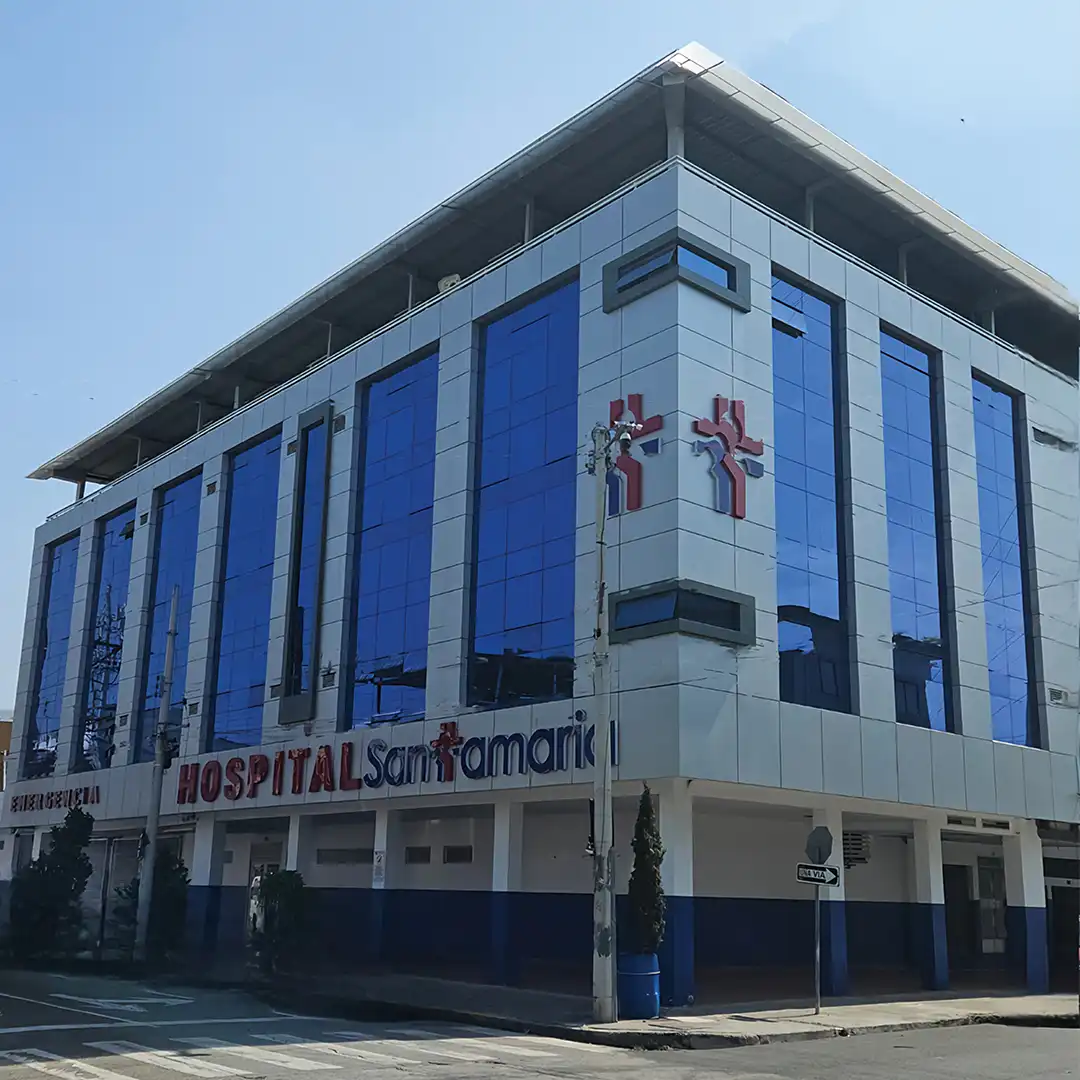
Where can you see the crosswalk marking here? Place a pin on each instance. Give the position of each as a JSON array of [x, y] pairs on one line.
[[257, 1053], [419, 1035], [425, 1048], [55, 1065], [491, 1033], [493, 1040], [166, 1059], [343, 1049]]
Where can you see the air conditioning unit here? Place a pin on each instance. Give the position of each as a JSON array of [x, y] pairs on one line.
[[448, 282], [1056, 696]]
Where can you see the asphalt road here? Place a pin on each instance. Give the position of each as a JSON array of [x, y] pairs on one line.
[[87, 1028]]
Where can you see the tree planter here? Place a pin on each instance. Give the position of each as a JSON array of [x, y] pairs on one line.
[[639, 970], [639, 986]]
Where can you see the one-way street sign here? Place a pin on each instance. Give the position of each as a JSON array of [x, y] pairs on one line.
[[817, 875]]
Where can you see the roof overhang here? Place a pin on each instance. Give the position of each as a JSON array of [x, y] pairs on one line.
[[570, 168]]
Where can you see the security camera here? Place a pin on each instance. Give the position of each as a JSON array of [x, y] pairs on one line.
[[625, 439]]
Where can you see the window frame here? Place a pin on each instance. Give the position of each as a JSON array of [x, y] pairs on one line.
[[746, 634], [41, 645], [736, 295], [79, 763], [298, 705], [791, 322], [1037, 705]]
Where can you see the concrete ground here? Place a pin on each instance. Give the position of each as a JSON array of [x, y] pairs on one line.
[[93, 1028], [698, 1027]]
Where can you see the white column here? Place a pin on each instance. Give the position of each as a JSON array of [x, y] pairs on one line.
[[833, 820], [929, 876], [1025, 885], [136, 627], [298, 847], [451, 530], [82, 621], [677, 832], [208, 851], [386, 847], [205, 596], [506, 854], [7, 854], [39, 837]]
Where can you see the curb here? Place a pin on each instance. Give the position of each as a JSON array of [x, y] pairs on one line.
[[374, 1009]]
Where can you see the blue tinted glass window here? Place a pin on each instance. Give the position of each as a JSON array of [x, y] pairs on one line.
[[707, 268], [631, 275], [394, 557], [911, 503], [812, 629], [1005, 600], [523, 616], [309, 543], [175, 545], [244, 628], [643, 610], [51, 659], [93, 746]]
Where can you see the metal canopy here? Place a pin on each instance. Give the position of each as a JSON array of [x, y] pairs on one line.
[[735, 129]]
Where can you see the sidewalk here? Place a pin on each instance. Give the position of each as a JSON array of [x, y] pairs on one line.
[[566, 1016]]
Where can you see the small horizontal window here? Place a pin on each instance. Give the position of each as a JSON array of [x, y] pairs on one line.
[[642, 610], [343, 856], [708, 268], [417, 856], [677, 256], [683, 607], [457, 853]]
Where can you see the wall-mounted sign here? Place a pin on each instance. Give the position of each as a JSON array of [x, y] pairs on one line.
[[375, 763], [728, 445], [631, 479], [56, 800]]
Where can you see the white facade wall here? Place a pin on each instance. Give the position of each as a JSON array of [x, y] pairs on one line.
[[686, 707]]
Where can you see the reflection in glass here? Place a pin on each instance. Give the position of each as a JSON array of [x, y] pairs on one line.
[[1005, 600], [51, 660], [97, 724], [394, 550], [911, 507], [674, 255], [175, 545], [523, 616], [812, 631], [312, 500], [244, 628]]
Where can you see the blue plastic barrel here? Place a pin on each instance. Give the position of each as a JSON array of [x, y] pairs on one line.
[[639, 987]]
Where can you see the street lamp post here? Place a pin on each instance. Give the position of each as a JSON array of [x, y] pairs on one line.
[[599, 464]]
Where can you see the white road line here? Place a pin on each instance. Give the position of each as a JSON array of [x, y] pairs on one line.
[[63, 1008], [494, 1040], [569, 1043], [425, 1038], [200, 1021], [303, 1043], [256, 1053], [423, 1046], [166, 1059], [61, 1067]]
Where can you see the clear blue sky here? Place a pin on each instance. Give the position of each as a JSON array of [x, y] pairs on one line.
[[173, 172]]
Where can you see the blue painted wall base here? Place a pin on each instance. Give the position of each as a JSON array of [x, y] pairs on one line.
[[929, 944], [1026, 946], [834, 950], [677, 952]]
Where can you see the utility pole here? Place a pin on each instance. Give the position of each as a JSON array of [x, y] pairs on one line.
[[153, 813], [599, 464]]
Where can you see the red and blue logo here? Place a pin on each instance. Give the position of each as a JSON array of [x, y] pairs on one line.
[[625, 482], [728, 445]]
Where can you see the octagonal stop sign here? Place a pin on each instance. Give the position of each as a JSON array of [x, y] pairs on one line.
[[819, 845]]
